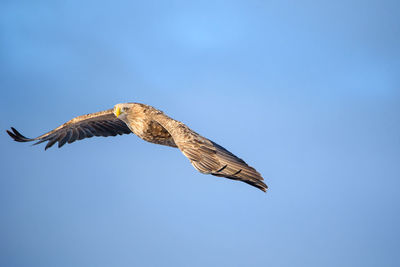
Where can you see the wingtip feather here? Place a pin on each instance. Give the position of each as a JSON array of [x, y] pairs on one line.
[[17, 136], [10, 134], [260, 185]]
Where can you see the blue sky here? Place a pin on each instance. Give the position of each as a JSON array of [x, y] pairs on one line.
[[306, 92]]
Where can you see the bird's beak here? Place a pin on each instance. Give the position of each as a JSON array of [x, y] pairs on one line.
[[117, 112]]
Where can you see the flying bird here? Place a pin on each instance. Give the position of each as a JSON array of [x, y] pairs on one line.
[[152, 125]]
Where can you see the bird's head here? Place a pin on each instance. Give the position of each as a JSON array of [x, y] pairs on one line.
[[121, 110]]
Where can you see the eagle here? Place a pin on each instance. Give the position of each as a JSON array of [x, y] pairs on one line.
[[152, 125]]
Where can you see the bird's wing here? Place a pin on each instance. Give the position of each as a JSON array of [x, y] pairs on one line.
[[103, 123], [208, 157]]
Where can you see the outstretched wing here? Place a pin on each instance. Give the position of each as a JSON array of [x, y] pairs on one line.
[[103, 123], [208, 157], [211, 158]]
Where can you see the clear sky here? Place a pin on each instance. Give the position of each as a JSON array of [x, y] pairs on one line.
[[307, 92]]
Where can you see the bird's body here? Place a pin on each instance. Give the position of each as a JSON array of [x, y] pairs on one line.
[[141, 122], [152, 125]]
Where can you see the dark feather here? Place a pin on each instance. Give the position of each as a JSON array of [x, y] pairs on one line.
[[64, 139]]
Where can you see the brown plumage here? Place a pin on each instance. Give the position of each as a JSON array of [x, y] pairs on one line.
[[153, 126]]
